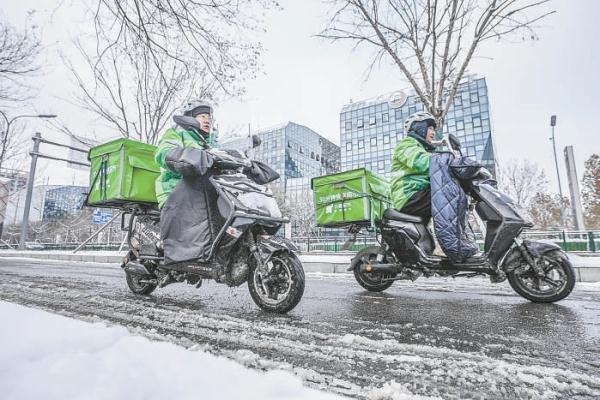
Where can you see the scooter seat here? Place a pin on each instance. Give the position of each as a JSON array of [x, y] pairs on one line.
[[392, 214]]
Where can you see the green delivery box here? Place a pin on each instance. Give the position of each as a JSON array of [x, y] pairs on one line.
[[122, 171], [358, 196]]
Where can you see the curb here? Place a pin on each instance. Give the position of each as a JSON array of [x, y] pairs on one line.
[[310, 262]]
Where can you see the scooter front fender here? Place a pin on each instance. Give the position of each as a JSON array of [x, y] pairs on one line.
[[537, 249], [273, 244]]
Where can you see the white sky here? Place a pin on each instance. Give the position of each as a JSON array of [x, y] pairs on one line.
[[307, 80]]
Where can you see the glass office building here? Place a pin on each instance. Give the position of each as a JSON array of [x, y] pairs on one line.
[[63, 201], [370, 129], [296, 152]]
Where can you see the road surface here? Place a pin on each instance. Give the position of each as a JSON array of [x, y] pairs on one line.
[[435, 338]]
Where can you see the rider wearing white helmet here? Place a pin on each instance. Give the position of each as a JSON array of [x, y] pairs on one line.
[[410, 189], [179, 149]]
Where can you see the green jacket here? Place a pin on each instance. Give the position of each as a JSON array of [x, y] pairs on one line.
[[168, 179], [410, 171]]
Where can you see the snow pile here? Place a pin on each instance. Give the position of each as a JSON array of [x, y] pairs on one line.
[[395, 391], [46, 356]]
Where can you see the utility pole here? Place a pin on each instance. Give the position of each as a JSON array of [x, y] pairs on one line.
[[574, 189], [25, 223], [553, 124]]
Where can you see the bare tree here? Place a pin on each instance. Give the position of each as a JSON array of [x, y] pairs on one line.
[[431, 42], [302, 213], [133, 94], [18, 53], [547, 210], [299, 207], [522, 180], [151, 55], [11, 139], [214, 33]]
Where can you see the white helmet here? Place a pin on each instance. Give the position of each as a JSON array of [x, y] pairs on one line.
[[195, 107], [417, 117]]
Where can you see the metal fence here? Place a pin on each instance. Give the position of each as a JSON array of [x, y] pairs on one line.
[[70, 231], [584, 241]]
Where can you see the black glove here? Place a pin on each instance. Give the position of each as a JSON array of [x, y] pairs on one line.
[[189, 161], [261, 173]]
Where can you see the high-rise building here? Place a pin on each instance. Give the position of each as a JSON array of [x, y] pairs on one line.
[[370, 129], [296, 152], [48, 202], [63, 201]]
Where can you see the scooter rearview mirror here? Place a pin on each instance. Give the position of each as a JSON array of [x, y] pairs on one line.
[[454, 141], [256, 141]]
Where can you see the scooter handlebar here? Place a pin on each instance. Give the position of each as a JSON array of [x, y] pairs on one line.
[[226, 160]]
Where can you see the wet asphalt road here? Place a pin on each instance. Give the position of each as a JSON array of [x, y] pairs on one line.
[[436, 338]]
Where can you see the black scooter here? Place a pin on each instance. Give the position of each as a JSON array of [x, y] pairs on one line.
[[245, 248], [538, 271]]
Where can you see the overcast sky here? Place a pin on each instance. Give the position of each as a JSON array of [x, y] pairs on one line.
[[307, 80]]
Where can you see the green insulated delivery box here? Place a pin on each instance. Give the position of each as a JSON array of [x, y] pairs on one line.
[[122, 171], [358, 196]]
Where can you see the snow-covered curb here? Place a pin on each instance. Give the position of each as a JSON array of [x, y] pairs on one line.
[[46, 356]]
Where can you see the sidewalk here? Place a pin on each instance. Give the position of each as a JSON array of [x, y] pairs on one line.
[[587, 267]]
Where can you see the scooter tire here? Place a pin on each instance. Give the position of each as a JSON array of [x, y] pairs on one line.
[[136, 287], [294, 294], [558, 257], [368, 280]]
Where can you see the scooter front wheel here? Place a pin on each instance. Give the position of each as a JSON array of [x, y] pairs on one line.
[[280, 288], [556, 283]]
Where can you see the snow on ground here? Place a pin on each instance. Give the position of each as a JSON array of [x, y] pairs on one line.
[[64, 252], [46, 356], [584, 261]]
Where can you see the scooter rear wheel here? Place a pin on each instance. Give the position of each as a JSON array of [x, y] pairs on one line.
[[136, 286], [556, 284], [281, 289], [372, 281]]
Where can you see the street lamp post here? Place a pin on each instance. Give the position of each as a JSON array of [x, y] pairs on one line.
[[564, 215], [553, 124], [25, 222]]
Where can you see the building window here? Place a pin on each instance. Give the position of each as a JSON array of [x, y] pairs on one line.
[[476, 121], [460, 125], [361, 144], [412, 110], [317, 157], [386, 139], [398, 114], [385, 117], [348, 125], [474, 98], [360, 123], [301, 149], [372, 120], [373, 141], [312, 155], [349, 146]]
